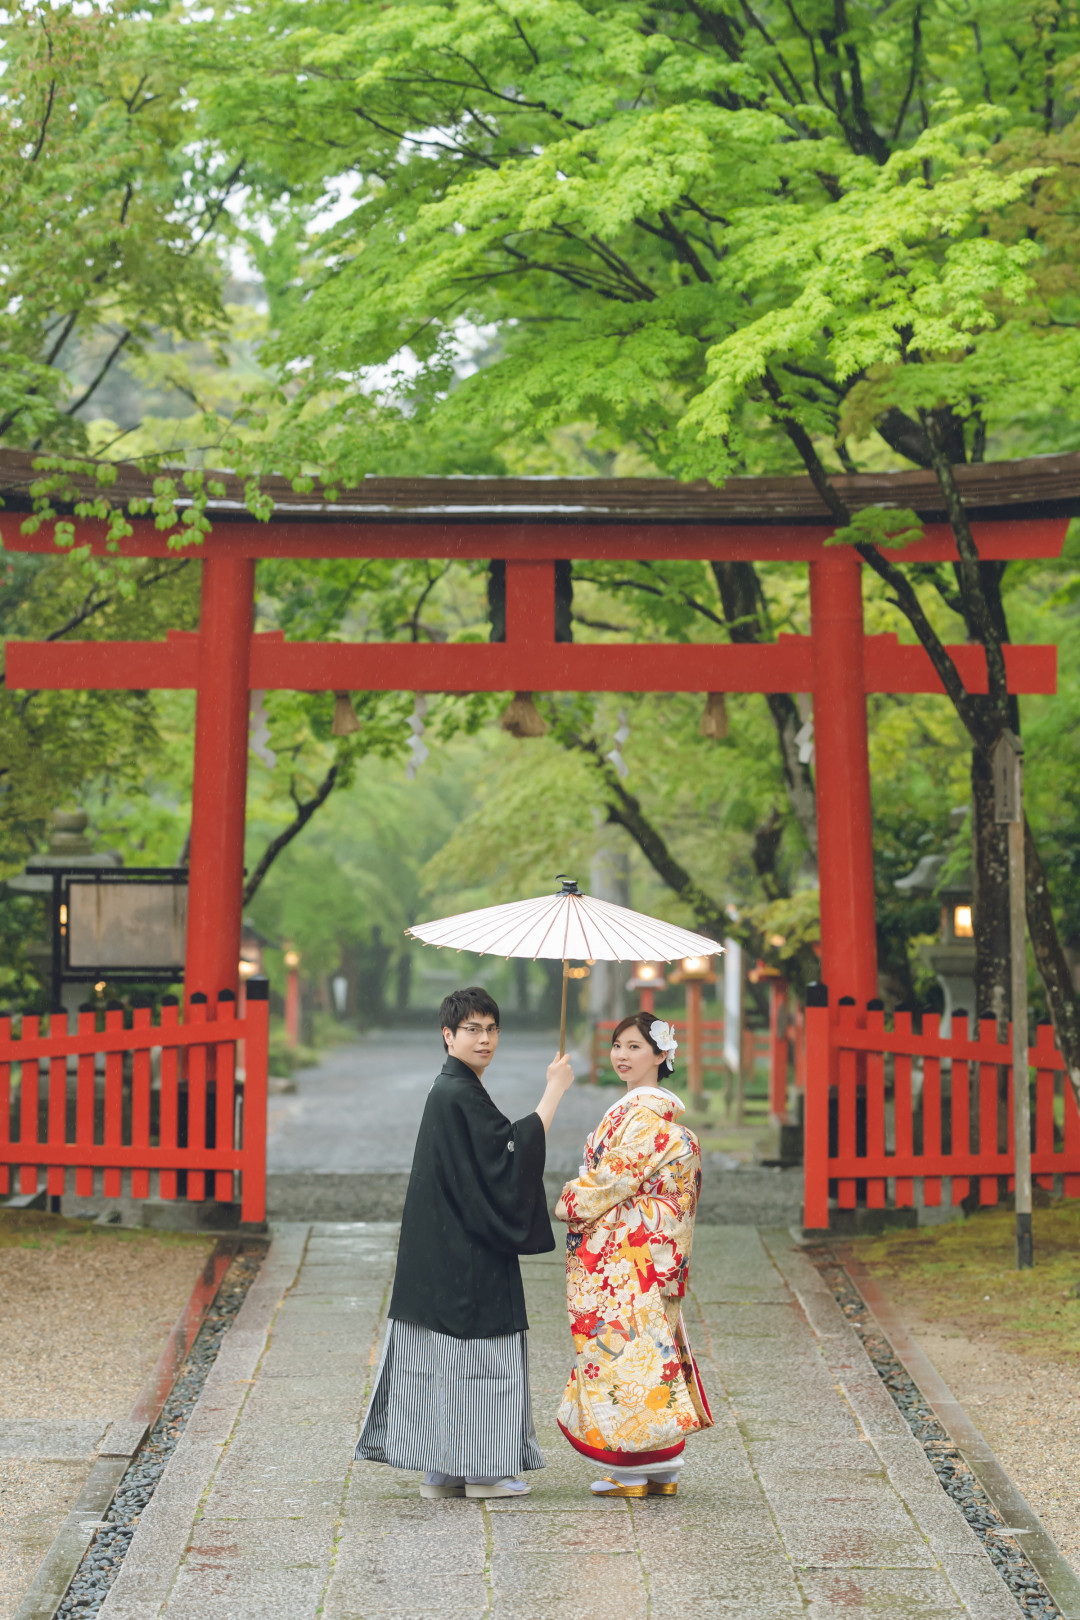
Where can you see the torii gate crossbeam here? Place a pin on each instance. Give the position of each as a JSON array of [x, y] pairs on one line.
[[837, 663]]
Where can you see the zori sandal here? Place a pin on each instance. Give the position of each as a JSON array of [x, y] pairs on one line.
[[612, 1487], [658, 1489]]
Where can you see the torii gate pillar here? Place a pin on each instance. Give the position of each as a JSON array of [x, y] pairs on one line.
[[219, 791], [842, 776], [845, 841], [837, 662]]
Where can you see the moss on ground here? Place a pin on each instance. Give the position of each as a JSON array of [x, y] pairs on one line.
[[965, 1275], [34, 1229]]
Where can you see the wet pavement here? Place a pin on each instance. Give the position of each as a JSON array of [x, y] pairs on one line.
[[360, 1108], [809, 1497], [340, 1146]]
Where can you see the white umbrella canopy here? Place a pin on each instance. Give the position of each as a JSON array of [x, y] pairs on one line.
[[568, 926]]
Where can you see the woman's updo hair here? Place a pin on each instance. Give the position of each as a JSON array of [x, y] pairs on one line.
[[643, 1022]]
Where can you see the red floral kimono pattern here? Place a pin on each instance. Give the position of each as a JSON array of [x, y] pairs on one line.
[[634, 1393]]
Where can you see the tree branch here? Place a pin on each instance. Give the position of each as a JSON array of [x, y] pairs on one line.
[[92, 387], [1050, 960], [305, 809], [977, 607], [45, 117], [625, 811]]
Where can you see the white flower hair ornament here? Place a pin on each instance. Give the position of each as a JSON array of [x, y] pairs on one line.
[[663, 1036]]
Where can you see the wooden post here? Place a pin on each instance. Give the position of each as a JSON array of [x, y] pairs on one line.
[[842, 774], [1009, 808], [816, 1125], [694, 1068], [219, 790], [745, 1073], [256, 1063], [292, 1006], [778, 1052]]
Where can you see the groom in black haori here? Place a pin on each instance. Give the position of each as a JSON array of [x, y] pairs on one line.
[[452, 1393]]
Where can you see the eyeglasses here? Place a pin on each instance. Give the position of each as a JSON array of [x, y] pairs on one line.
[[479, 1029]]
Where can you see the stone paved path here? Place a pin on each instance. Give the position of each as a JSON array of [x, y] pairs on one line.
[[809, 1497], [338, 1119]]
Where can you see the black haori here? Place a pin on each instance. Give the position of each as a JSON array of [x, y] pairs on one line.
[[475, 1202]]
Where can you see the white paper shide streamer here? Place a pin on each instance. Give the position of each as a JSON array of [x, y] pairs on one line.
[[260, 731], [418, 750], [622, 737]]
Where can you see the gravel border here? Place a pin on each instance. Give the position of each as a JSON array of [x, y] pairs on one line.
[[101, 1562], [954, 1474]]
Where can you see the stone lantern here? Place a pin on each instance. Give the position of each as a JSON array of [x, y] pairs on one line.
[[694, 972], [952, 958]]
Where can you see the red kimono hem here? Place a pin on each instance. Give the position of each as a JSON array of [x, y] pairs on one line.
[[623, 1459]]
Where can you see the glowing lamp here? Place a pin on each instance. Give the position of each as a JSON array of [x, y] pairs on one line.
[[694, 970], [963, 928], [647, 976]]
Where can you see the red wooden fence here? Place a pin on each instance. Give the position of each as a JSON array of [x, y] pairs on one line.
[[196, 1117], [885, 1108]]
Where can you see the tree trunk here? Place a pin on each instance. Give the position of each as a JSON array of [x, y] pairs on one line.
[[979, 587], [711, 916], [990, 863], [799, 777], [404, 981], [743, 602], [1051, 962], [305, 809]]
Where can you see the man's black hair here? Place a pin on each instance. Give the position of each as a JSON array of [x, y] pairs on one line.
[[462, 1004]]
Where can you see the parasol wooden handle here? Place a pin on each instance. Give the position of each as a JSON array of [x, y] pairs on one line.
[[562, 1019]]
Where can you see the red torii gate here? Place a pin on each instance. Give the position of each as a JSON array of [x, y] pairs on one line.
[[531, 524]]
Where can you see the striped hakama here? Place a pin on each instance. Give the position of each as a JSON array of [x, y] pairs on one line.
[[451, 1406]]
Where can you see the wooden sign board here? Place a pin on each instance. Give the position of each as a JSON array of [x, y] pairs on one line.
[[126, 928], [1008, 777]]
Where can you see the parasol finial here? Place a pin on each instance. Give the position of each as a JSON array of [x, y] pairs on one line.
[[569, 885]]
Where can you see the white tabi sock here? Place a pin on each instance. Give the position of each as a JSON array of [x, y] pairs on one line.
[[602, 1486]]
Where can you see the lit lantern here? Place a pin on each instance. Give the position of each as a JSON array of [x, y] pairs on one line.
[[647, 978], [963, 927], [952, 957], [694, 971], [291, 957]]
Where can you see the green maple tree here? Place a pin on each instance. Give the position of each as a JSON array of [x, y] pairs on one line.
[[741, 237]]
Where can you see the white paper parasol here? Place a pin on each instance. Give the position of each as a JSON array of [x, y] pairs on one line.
[[568, 926]]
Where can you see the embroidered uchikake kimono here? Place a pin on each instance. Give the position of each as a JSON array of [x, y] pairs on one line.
[[634, 1393]]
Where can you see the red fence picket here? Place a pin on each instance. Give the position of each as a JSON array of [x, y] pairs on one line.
[[97, 1114], [887, 1108]]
